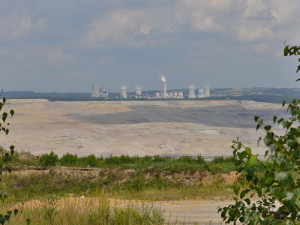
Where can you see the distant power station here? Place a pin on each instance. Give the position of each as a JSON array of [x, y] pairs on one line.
[[204, 92], [165, 94], [100, 92], [192, 92], [123, 94]]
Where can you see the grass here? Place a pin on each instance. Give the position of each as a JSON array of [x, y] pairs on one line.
[[86, 211], [183, 163], [40, 185], [158, 178]]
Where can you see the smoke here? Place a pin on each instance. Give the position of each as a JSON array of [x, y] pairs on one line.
[[192, 86], [124, 87], [163, 79]]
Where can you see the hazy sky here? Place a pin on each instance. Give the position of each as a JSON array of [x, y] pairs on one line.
[[68, 45]]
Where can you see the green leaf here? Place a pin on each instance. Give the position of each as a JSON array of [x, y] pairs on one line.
[[252, 161], [12, 149], [283, 104], [286, 50], [259, 123], [248, 151], [12, 112], [243, 193], [28, 221], [4, 116]]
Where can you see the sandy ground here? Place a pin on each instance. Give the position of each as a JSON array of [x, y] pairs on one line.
[[135, 127]]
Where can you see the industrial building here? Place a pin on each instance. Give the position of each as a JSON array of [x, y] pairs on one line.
[[192, 92], [138, 92], [99, 92], [165, 94], [123, 94], [207, 91], [201, 93]]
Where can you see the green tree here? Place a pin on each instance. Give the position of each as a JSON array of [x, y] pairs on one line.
[[274, 182], [5, 157]]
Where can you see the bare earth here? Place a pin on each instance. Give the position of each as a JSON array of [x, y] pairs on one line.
[[135, 127]]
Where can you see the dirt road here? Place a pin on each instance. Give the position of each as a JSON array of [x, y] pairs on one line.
[[193, 211]]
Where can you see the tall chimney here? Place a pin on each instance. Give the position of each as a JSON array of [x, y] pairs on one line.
[[165, 89]]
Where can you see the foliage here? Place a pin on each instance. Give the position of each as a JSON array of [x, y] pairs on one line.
[[86, 211], [274, 180], [5, 157], [49, 160], [182, 163], [291, 51]]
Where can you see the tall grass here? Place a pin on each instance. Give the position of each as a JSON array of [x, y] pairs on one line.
[[183, 163], [87, 211]]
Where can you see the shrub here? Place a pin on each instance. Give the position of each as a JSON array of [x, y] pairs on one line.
[[49, 160], [276, 180], [69, 160]]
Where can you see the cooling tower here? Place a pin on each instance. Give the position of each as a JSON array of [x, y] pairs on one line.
[[201, 93], [95, 91], [192, 92], [138, 92], [123, 92], [207, 91]]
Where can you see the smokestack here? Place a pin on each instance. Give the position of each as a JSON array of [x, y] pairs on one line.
[[164, 80], [192, 91], [123, 92]]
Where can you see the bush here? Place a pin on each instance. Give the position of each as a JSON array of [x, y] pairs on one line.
[[276, 180], [69, 160], [49, 160]]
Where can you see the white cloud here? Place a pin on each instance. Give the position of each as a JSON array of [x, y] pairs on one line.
[[13, 26], [254, 8], [118, 26], [205, 15], [58, 57], [249, 31]]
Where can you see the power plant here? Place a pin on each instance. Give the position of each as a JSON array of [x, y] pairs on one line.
[[138, 92], [192, 92], [123, 93], [201, 93], [100, 92], [207, 91], [164, 80]]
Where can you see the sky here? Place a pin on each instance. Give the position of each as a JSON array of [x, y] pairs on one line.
[[68, 45]]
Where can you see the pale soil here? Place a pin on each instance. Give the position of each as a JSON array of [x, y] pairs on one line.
[[121, 176], [105, 128]]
